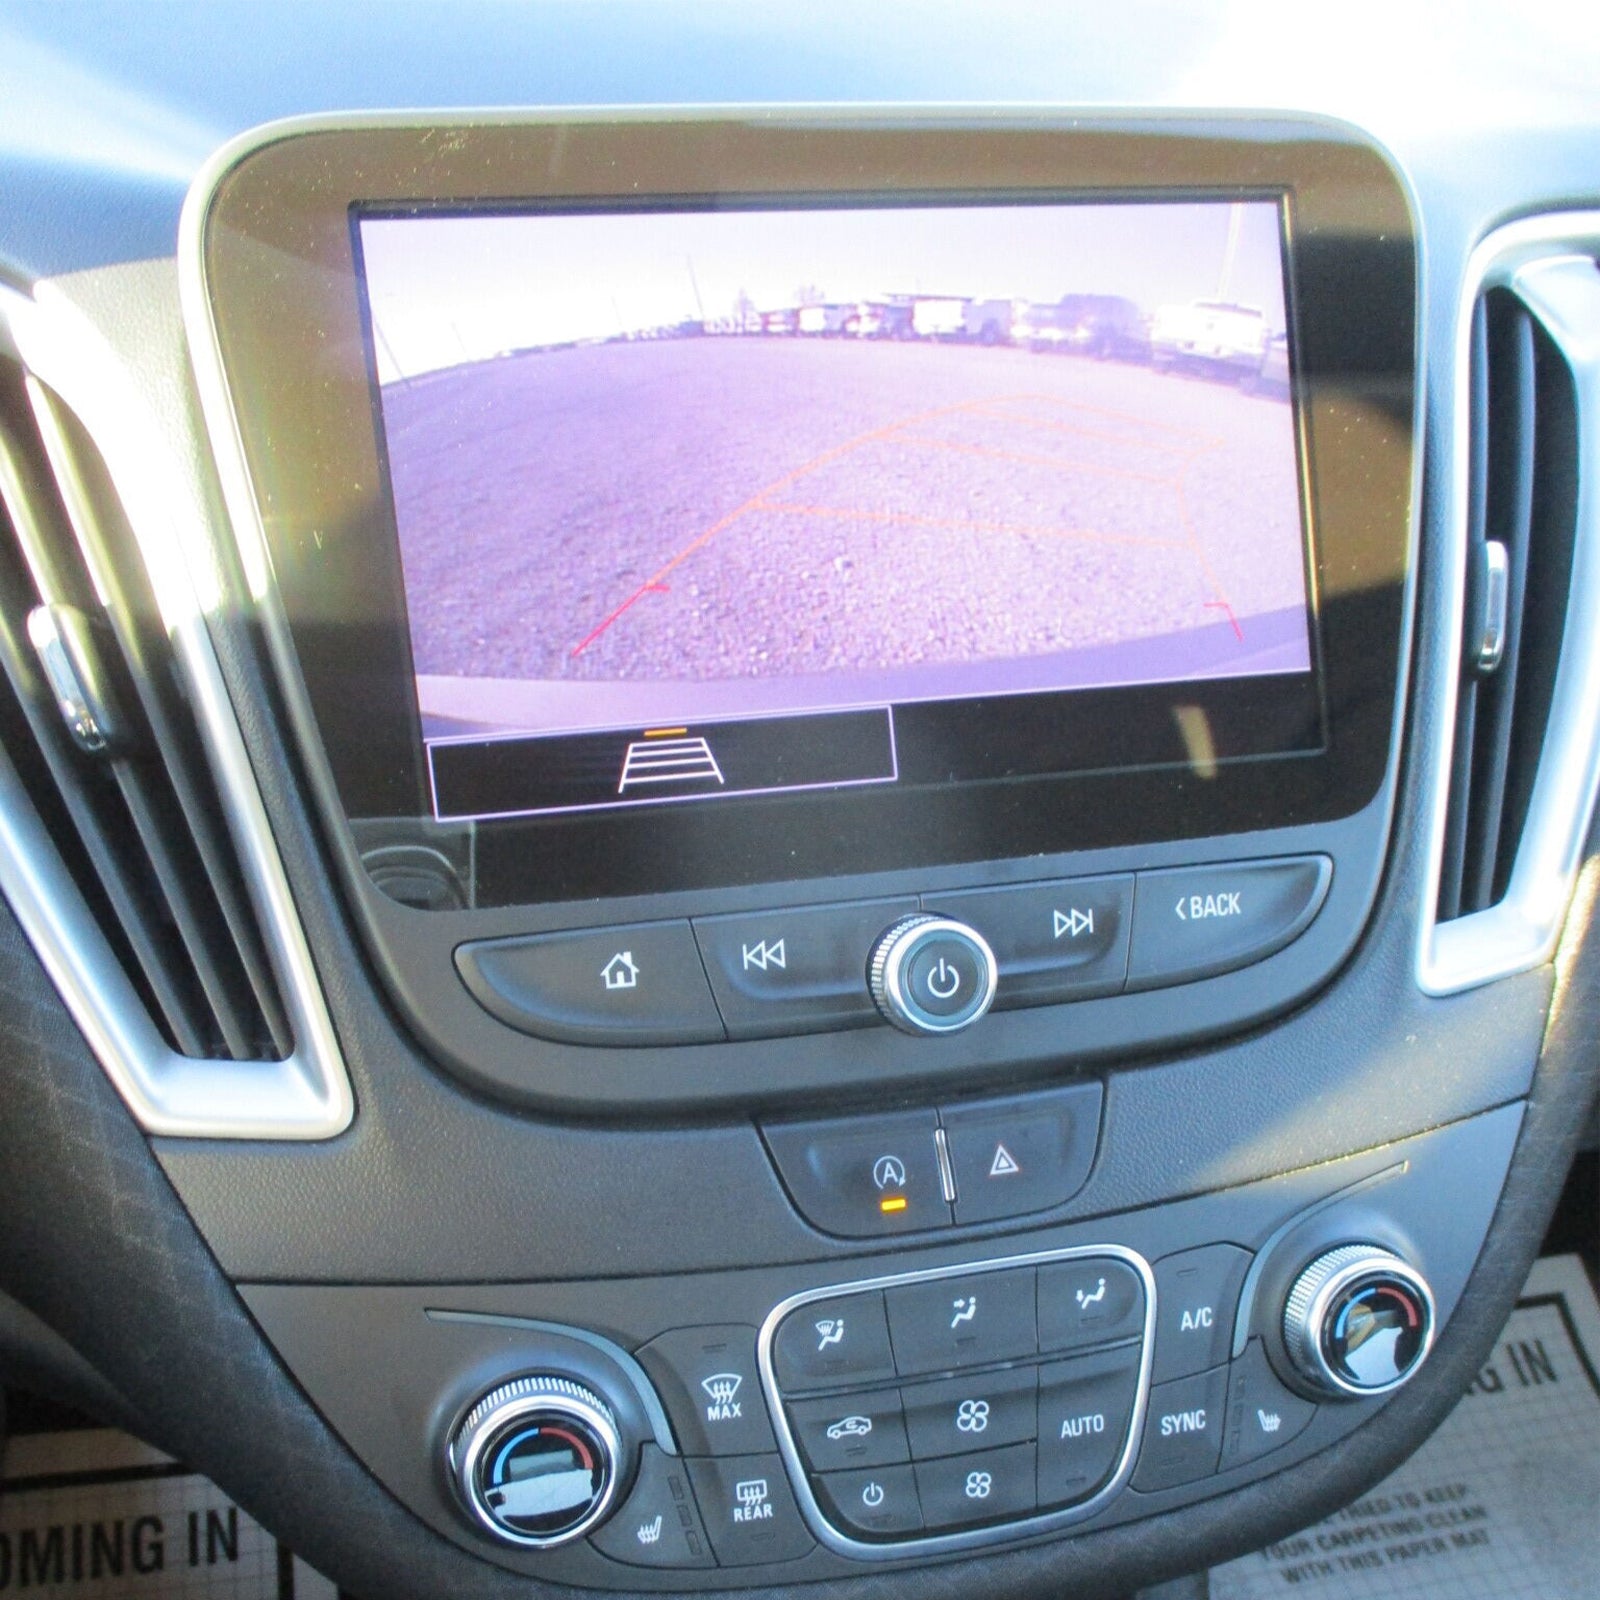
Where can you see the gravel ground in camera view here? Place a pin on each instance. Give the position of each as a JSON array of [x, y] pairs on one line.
[[736, 508]]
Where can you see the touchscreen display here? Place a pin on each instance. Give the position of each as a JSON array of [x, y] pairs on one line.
[[693, 504]]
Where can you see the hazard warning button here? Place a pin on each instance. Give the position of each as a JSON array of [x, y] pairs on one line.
[[1029, 1153]]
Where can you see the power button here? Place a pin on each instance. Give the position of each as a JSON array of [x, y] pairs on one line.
[[932, 975]]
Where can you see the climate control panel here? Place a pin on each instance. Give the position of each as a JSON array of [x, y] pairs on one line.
[[938, 1410], [942, 1408]]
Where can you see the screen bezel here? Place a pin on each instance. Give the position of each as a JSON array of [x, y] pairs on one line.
[[280, 271]]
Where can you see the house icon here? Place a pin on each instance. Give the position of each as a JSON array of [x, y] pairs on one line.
[[621, 971]]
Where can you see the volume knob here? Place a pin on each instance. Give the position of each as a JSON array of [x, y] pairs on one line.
[[932, 974], [1359, 1321], [536, 1461]]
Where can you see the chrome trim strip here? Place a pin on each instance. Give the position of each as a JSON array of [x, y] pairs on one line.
[[1538, 261], [308, 1095], [970, 1538]]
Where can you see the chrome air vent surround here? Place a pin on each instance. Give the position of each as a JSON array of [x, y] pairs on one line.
[[1548, 264], [305, 1094]]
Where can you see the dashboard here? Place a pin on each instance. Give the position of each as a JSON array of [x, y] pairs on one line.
[[790, 803]]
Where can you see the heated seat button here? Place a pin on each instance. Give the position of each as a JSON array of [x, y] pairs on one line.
[[636, 985], [1197, 1298], [749, 1510], [707, 1377], [1262, 1414], [659, 1526], [959, 1490], [870, 1175], [845, 1340], [962, 1322], [956, 1415], [1063, 940], [1199, 921], [878, 1502], [795, 971], [1091, 1301], [1182, 1431], [854, 1430], [1085, 1406], [1010, 1157]]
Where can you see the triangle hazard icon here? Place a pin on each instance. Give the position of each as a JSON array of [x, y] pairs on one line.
[[1004, 1163]]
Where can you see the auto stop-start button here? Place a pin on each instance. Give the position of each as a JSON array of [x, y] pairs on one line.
[[1198, 921]]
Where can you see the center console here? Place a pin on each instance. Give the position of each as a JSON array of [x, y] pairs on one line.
[[842, 634]]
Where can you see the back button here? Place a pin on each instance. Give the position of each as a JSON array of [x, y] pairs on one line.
[[1199, 921]]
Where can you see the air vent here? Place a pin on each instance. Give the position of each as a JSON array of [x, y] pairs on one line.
[[133, 846], [1520, 522], [1515, 785], [107, 746]]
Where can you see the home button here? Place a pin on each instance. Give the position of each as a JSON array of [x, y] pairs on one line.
[[640, 984]]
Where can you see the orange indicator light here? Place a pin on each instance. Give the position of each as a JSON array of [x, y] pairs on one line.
[[663, 733], [895, 1202]]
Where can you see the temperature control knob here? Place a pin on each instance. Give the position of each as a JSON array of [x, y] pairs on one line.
[[536, 1461], [932, 974], [1359, 1321]]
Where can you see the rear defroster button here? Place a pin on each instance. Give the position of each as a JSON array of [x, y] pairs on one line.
[[1199, 921]]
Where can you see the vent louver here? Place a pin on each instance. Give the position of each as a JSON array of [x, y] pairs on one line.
[[124, 788], [1514, 779], [135, 849], [1522, 502]]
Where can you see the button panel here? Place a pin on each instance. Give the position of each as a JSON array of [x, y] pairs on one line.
[[803, 969], [986, 1427], [874, 1175]]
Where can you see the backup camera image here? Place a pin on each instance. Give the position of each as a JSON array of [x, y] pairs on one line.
[[689, 502]]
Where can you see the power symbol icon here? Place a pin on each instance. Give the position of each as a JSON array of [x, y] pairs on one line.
[[944, 980]]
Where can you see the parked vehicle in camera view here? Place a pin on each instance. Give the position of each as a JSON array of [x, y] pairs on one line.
[[1107, 326], [1219, 337]]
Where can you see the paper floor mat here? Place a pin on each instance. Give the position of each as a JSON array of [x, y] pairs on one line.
[[92, 1512], [1502, 1503]]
